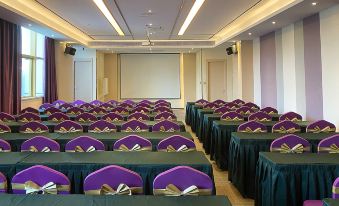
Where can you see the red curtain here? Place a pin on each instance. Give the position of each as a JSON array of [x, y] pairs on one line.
[[50, 72], [10, 67]]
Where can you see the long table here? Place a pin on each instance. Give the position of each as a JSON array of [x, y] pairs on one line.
[[244, 153], [76, 166], [188, 112], [290, 179], [109, 200], [221, 137], [330, 202], [44, 117], [16, 139]]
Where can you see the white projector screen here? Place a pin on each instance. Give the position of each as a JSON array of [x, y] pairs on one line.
[[150, 76]]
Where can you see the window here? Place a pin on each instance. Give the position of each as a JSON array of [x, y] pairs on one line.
[[33, 50]]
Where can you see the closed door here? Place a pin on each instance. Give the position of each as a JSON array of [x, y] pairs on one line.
[[216, 80], [83, 80]]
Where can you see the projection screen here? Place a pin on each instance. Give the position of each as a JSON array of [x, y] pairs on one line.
[[150, 76]]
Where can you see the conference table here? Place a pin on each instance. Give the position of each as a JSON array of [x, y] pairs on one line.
[[330, 202], [244, 153], [44, 117], [188, 112], [108, 139], [16, 125], [221, 137], [109, 200], [76, 166], [290, 179]]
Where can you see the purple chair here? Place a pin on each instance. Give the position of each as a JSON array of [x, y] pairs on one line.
[[182, 181], [335, 195], [68, 126], [3, 183], [58, 103], [86, 117], [84, 144], [219, 102], [329, 145], [146, 101], [165, 116], [58, 117], [113, 102], [75, 111], [86, 106], [238, 102], [138, 116], [4, 147], [29, 110], [292, 116], [210, 106], [161, 101], [245, 111], [96, 103], [120, 110], [78, 103], [97, 110], [130, 102], [232, 106], [252, 127], [40, 144], [232, 116], [33, 128], [166, 126], [144, 105], [65, 107], [44, 106], [269, 110], [134, 126], [132, 143], [290, 144], [40, 179], [221, 110], [176, 143], [4, 129], [251, 105], [321, 126], [159, 110], [29, 117], [113, 180], [51, 110], [286, 127], [102, 126], [106, 106], [4, 117], [162, 104], [126, 105], [260, 117], [112, 117], [140, 109], [201, 102]]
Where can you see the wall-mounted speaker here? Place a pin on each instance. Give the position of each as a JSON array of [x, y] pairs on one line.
[[232, 50], [70, 50]]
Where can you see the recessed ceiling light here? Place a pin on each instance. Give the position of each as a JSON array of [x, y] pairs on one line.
[[314, 3], [194, 10], [150, 33], [150, 11], [273, 22], [52, 35], [150, 24], [250, 33], [29, 25]]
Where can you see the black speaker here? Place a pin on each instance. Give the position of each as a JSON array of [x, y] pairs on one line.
[[70, 50], [229, 50]]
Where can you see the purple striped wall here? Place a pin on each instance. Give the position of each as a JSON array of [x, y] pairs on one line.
[[313, 68], [268, 70]]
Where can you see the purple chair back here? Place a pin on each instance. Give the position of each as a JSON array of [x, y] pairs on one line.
[[96, 103], [269, 110], [132, 143], [113, 102], [3, 183], [134, 126], [144, 105], [251, 105], [140, 109], [106, 106], [221, 110], [84, 144], [130, 102], [4, 129], [58, 103], [252, 127], [166, 126], [210, 106], [4, 117], [181, 181], [86, 117], [145, 101], [176, 143], [113, 180], [245, 110], [66, 106], [290, 144], [40, 144], [120, 110], [238, 102], [75, 111], [329, 145], [86, 106], [286, 126], [45, 106], [162, 101], [159, 110], [102, 126], [260, 117], [126, 105], [68, 126], [232, 106], [58, 117], [232, 116], [4, 147], [78, 103], [33, 128], [112, 117], [201, 102], [29, 110], [335, 189], [51, 110], [165, 116], [321, 126], [138, 116], [97, 110], [219, 102], [163, 104], [292, 116], [29, 117], [40, 179]]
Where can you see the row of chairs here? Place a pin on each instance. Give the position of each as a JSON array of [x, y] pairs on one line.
[[175, 143], [110, 180], [99, 126]]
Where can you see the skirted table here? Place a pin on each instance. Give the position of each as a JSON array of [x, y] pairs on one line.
[[221, 137], [109, 200], [290, 179], [16, 139], [44, 117], [194, 114], [244, 153], [188, 112], [76, 166], [16, 125], [330, 202]]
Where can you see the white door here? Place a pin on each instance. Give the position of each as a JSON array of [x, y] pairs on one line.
[[216, 80], [83, 80]]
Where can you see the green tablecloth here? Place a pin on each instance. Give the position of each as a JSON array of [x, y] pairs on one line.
[[221, 137], [194, 115], [207, 129], [200, 121], [244, 153], [16, 139], [330, 202], [44, 117], [109, 200], [290, 179], [76, 166], [188, 112], [16, 125]]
